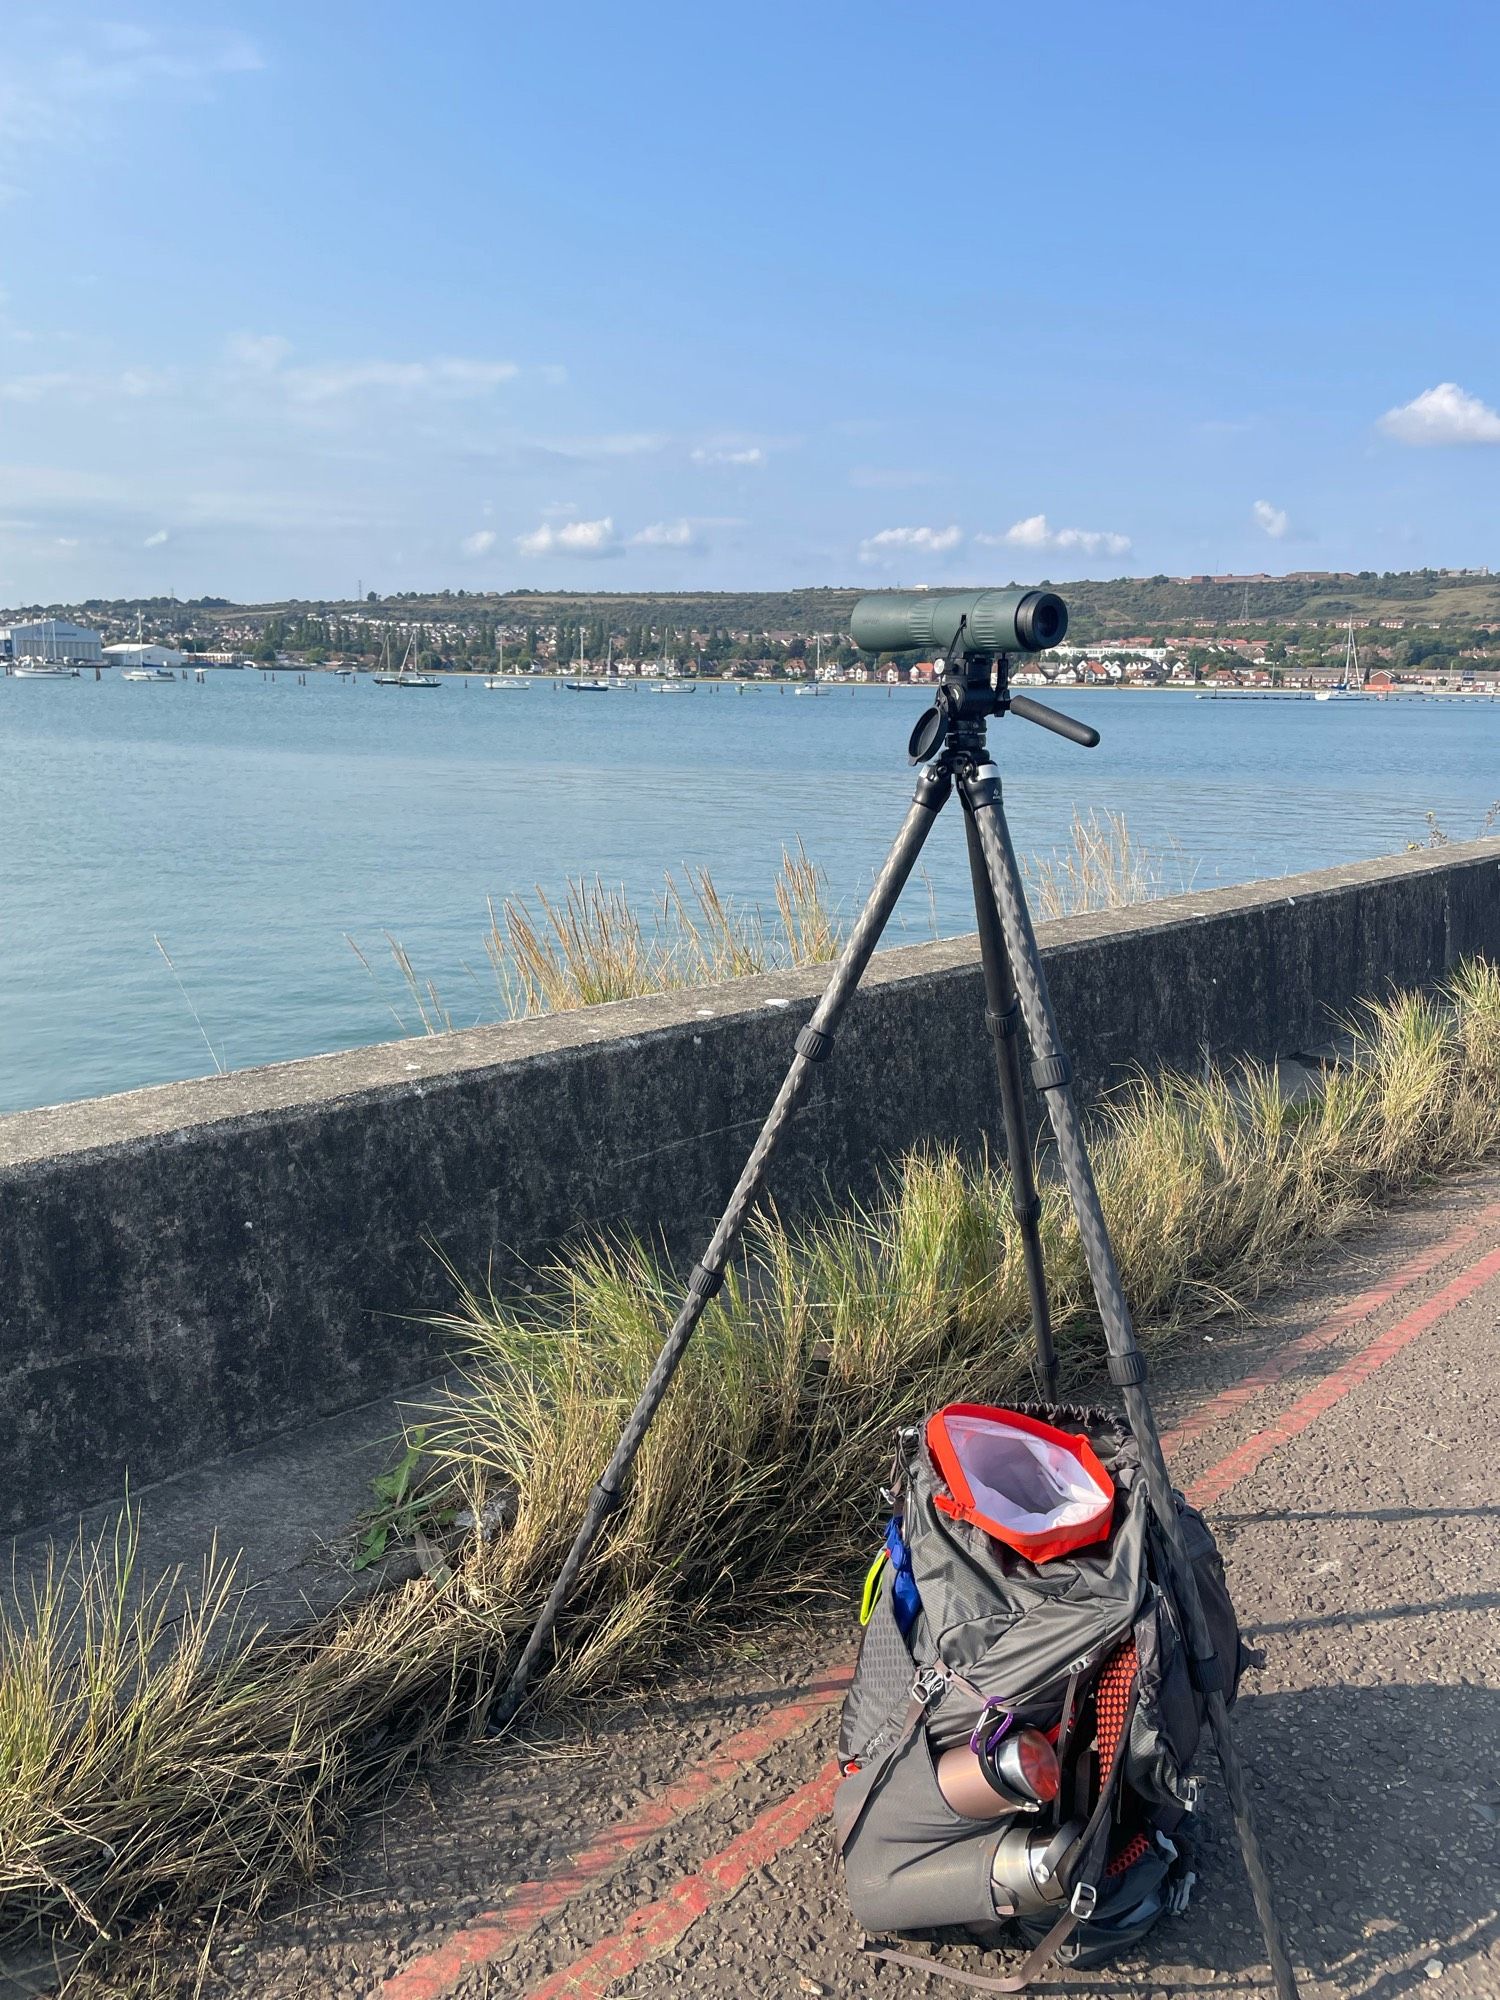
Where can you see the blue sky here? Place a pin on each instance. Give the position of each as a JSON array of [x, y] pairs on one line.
[[296, 297]]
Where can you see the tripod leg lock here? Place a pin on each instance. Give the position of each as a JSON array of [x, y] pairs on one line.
[[812, 1044], [610, 1499], [1051, 1072], [1007, 1025], [704, 1283], [1127, 1371], [1027, 1212]]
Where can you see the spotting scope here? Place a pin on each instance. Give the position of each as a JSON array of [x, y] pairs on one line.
[[995, 621]]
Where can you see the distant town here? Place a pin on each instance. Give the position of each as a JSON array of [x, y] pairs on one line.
[[1431, 629]]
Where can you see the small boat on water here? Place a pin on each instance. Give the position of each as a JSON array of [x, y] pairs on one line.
[[46, 668], [813, 685], [144, 669], [402, 678], [1352, 686], [500, 680], [587, 687]]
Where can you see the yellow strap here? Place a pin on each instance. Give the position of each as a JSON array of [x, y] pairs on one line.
[[871, 1595]]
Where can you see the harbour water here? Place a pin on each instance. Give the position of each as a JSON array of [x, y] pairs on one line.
[[253, 825]]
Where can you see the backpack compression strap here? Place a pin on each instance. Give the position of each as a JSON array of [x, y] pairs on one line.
[[861, 1786], [1080, 1905], [1035, 1961]]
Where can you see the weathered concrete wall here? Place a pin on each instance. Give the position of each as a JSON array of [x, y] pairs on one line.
[[188, 1270]]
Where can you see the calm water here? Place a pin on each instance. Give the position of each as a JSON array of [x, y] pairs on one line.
[[251, 824]]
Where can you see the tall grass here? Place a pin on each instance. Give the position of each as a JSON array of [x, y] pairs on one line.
[[157, 1754], [1103, 867], [592, 942]]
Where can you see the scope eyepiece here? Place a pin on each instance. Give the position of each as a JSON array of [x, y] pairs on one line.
[[994, 621]]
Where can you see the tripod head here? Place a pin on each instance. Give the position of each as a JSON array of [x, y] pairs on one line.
[[972, 687]]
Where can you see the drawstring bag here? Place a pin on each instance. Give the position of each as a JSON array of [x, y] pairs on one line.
[[1037, 1489]]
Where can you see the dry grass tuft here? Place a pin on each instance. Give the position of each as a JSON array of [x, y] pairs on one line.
[[594, 945], [552, 954], [1103, 867], [158, 1755]]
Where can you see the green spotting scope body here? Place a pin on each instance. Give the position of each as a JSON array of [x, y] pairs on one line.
[[998, 621]]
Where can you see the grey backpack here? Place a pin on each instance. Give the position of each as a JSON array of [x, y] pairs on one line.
[[1086, 1648]]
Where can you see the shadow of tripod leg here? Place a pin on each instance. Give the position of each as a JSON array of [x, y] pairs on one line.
[[1052, 1076]]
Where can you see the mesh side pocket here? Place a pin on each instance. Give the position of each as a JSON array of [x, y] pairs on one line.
[[877, 1699]]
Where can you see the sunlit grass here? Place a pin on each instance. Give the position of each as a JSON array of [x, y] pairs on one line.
[[592, 942], [157, 1755]]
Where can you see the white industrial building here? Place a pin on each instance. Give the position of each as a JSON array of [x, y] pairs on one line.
[[52, 639], [135, 654]]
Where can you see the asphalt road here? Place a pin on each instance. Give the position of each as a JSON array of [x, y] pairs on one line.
[[1345, 1447]]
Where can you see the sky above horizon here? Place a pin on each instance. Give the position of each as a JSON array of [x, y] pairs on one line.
[[295, 301]]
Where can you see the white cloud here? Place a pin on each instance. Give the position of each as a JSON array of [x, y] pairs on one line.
[[479, 543], [1444, 415], [258, 352], [920, 541], [1032, 533], [1271, 520], [155, 541], [126, 61], [614, 444], [750, 454], [665, 535], [63, 95], [255, 364], [1035, 532], [571, 538], [80, 386], [450, 376]]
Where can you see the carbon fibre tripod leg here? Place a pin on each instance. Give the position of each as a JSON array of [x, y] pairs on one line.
[[813, 1044], [1052, 1074], [1003, 1012]]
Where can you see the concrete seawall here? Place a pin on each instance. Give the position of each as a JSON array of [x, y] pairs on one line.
[[188, 1270]]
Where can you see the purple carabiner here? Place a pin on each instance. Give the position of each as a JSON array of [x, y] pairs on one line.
[[977, 1742]]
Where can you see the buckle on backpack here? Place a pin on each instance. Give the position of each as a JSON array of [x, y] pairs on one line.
[[928, 1684], [1190, 1793], [1084, 1901]]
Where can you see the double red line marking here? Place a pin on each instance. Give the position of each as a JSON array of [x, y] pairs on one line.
[[485, 1939], [656, 1926]]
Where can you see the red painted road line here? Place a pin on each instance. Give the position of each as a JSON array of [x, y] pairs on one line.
[[1358, 1368], [486, 1937], [1285, 1359], [654, 1929]]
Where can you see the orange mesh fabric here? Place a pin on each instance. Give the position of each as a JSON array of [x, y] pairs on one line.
[[1129, 1854], [1113, 1703]]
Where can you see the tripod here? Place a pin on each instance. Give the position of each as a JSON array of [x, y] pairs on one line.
[[950, 745]]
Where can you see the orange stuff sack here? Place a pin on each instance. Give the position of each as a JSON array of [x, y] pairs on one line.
[[1039, 1490]]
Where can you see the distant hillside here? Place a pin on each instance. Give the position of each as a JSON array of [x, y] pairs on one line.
[[1119, 608]]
